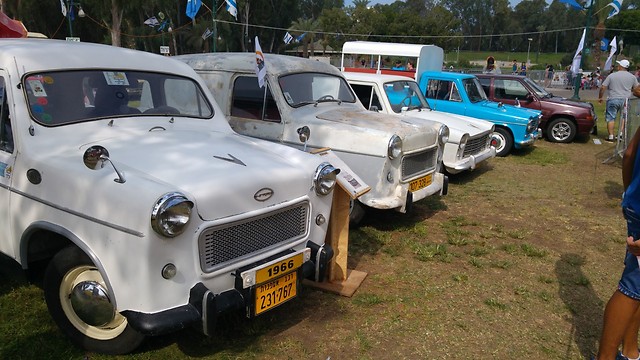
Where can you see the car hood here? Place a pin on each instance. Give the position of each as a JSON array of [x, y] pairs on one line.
[[565, 101], [510, 110], [463, 124], [220, 172]]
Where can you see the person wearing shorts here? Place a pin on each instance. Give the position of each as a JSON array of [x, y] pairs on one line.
[[622, 313], [619, 85]]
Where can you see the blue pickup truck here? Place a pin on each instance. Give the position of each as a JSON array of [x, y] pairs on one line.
[[462, 94]]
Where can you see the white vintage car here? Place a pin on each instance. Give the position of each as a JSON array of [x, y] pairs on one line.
[[469, 138], [119, 169], [310, 104]]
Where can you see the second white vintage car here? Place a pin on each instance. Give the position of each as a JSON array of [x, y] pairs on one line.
[[309, 104], [469, 139], [119, 171]]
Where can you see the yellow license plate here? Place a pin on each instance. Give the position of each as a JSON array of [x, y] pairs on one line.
[[275, 292], [279, 268], [421, 183]]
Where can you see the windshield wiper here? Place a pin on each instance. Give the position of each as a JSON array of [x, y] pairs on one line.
[[321, 100]]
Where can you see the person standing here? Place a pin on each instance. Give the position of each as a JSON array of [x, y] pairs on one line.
[[514, 67], [548, 75], [622, 313], [523, 69], [619, 86], [490, 67]]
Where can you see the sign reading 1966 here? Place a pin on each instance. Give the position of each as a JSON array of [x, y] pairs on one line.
[[279, 268]]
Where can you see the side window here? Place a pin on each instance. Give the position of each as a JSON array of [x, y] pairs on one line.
[[6, 135], [510, 90], [248, 101], [486, 85], [367, 96], [442, 90]]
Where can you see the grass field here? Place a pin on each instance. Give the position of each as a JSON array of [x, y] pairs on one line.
[[516, 262]]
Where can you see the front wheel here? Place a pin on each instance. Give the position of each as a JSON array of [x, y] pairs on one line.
[[561, 130], [502, 140], [356, 212], [78, 300]]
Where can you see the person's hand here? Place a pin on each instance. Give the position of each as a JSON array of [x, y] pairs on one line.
[[633, 246]]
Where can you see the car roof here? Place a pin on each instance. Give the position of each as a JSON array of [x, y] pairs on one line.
[[246, 62], [375, 77], [448, 75], [47, 54]]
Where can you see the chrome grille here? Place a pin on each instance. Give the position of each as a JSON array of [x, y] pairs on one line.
[[418, 163], [235, 241], [477, 145]]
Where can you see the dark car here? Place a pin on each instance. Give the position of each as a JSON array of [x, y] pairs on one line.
[[562, 119]]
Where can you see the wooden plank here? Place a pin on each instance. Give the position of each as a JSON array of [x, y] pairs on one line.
[[345, 288], [338, 234]]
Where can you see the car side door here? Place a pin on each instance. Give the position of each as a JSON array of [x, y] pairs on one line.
[[253, 110], [7, 161], [444, 95], [368, 96], [513, 92]]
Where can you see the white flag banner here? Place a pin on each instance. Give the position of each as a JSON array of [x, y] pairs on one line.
[[232, 8], [64, 8], [287, 38], [152, 21], [577, 58], [614, 48], [207, 33], [261, 65]]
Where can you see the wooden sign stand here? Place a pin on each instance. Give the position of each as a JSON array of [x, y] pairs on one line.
[[341, 280]]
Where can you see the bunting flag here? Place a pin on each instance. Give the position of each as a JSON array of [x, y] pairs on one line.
[[604, 44], [64, 8], [287, 38], [232, 8], [206, 34], [261, 65], [192, 8], [152, 21], [299, 38], [577, 58], [614, 48], [616, 4], [573, 3]]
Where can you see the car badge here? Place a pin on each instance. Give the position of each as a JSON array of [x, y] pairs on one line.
[[263, 194], [232, 159]]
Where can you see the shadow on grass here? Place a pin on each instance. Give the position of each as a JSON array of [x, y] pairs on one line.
[[466, 177], [583, 303], [613, 189], [11, 275]]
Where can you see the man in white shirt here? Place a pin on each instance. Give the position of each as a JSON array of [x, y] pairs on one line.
[[619, 85]]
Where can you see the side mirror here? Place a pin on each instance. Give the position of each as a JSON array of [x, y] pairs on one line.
[[96, 157], [304, 133]]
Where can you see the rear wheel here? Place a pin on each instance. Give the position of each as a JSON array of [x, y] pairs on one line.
[[78, 300], [502, 140], [561, 130]]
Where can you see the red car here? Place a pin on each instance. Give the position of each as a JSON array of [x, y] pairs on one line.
[[562, 119]]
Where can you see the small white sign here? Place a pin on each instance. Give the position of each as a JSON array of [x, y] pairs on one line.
[[70, 38], [347, 179], [164, 50]]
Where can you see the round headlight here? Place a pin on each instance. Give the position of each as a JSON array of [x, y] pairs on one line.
[[171, 214], [325, 178], [443, 134], [394, 149]]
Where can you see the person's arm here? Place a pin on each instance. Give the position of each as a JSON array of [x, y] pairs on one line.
[[628, 159], [601, 93]]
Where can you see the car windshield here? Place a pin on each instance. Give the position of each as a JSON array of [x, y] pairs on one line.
[[539, 90], [404, 94], [311, 88], [474, 90], [65, 97]]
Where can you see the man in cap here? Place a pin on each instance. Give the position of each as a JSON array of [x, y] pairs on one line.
[[620, 85]]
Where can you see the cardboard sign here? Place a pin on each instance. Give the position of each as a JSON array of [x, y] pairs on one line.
[[347, 179]]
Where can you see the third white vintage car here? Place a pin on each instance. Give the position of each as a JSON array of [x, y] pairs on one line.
[[309, 104], [119, 171], [469, 139]]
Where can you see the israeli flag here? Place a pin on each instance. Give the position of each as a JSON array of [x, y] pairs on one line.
[[232, 8], [287, 38], [573, 3], [616, 4]]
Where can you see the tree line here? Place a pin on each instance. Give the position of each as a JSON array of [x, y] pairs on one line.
[[467, 25]]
